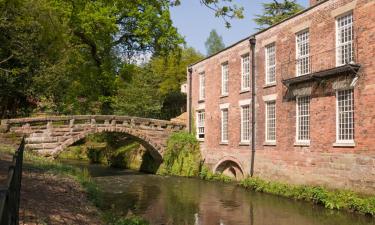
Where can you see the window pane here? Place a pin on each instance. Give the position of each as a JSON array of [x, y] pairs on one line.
[[224, 125], [303, 51], [270, 64], [245, 82], [345, 111], [200, 124], [303, 118], [270, 121], [245, 123], [344, 52], [224, 79], [202, 86]]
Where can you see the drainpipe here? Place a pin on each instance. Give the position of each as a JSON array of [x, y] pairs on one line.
[[252, 41], [189, 106]]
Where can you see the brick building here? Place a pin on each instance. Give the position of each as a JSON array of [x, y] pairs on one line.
[[313, 99]]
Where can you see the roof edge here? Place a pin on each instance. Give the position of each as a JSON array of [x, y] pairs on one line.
[[259, 32]]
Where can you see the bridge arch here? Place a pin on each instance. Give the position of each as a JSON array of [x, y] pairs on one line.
[[229, 166], [50, 135]]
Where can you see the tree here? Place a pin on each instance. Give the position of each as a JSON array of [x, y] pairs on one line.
[[275, 12], [69, 53], [153, 89], [214, 43]]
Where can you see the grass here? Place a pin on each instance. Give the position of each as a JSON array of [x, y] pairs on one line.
[[82, 176], [331, 199]]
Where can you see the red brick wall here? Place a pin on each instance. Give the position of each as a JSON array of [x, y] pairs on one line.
[[319, 163]]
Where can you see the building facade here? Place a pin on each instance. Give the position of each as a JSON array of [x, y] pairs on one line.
[[310, 82]]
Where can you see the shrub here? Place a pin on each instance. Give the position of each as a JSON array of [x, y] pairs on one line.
[[182, 155], [206, 174]]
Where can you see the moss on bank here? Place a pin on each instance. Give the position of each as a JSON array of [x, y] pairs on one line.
[[330, 199]]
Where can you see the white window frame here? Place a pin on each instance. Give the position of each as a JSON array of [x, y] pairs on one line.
[[243, 140], [245, 72], [201, 124], [202, 86], [339, 45], [269, 141], [222, 131], [268, 67], [338, 139], [303, 57], [224, 79], [298, 116]]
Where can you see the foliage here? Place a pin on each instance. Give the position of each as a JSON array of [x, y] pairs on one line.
[[331, 199], [124, 157], [214, 43], [76, 152], [182, 155], [113, 220], [64, 56], [276, 11], [207, 174], [153, 89]]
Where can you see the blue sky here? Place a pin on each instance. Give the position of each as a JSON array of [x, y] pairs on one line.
[[195, 22]]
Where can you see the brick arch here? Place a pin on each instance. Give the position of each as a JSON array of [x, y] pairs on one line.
[[230, 166], [49, 136]]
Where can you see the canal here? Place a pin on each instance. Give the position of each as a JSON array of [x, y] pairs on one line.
[[188, 201]]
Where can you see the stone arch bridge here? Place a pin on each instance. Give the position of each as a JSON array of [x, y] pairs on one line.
[[50, 135]]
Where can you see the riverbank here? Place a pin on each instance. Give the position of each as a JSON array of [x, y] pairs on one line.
[[53, 193]]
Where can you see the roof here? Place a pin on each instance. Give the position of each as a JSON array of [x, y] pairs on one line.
[[259, 32]]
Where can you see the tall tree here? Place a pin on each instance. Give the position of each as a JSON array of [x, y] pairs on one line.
[[214, 43], [276, 11]]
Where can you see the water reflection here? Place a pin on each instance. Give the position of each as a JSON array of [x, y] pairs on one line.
[[182, 201]]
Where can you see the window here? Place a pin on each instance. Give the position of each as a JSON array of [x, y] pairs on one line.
[[245, 81], [344, 32], [200, 124], [224, 125], [345, 116], [271, 121], [245, 123], [224, 79], [303, 51], [303, 119], [202, 86], [270, 64]]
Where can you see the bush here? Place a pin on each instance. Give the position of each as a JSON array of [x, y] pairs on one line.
[[182, 155], [331, 199], [207, 174]]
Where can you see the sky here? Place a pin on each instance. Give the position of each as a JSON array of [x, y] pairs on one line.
[[194, 21]]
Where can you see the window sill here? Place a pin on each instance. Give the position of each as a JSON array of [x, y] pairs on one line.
[[223, 96], [344, 144], [200, 139], [243, 143], [302, 144], [269, 143], [201, 101], [244, 91], [269, 85], [223, 143]]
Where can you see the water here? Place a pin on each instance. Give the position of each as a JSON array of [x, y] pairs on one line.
[[186, 201]]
